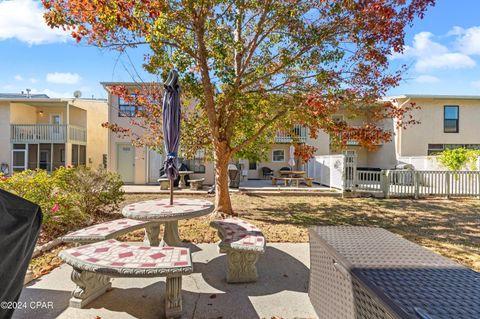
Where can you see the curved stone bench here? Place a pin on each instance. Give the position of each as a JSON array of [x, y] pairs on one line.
[[243, 243], [196, 184], [114, 229], [164, 183], [94, 264]]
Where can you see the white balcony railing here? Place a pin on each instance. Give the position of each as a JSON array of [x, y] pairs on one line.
[[353, 142], [46, 133], [77, 134], [297, 133]]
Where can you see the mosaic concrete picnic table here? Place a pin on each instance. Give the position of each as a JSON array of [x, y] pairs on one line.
[[161, 211]]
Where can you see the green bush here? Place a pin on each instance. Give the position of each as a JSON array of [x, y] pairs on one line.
[[58, 206], [96, 190], [459, 159], [68, 196]]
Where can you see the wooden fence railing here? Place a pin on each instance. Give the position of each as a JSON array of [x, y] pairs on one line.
[[411, 183]]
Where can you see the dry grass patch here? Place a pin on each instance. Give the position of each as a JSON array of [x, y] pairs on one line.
[[449, 227]]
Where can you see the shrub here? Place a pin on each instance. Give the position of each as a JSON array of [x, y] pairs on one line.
[[459, 159], [58, 206], [67, 197], [96, 190]]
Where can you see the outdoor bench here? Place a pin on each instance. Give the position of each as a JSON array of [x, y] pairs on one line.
[[196, 184], [297, 180], [94, 265], [367, 272], [164, 183], [114, 229], [243, 243]]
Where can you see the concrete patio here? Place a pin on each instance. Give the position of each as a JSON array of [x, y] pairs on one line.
[[281, 290], [262, 186]]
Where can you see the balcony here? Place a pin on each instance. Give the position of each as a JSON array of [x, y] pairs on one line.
[[354, 142], [298, 134], [47, 133]]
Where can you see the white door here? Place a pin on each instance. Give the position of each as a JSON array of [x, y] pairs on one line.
[[56, 119], [126, 162], [155, 162]]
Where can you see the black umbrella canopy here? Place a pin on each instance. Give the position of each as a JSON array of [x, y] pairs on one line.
[[171, 126]]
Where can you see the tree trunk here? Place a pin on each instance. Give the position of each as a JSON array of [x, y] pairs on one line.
[[222, 196]]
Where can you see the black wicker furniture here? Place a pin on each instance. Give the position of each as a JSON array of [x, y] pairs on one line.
[[363, 272], [267, 172]]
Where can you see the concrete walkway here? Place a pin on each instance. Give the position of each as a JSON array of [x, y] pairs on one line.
[[281, 290]]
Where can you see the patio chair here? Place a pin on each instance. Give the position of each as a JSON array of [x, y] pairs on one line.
[[266, 171]]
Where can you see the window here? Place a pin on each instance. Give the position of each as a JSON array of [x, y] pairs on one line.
[[197, 164], [278, 156], [252, 165], [434, 149], [125, 109], [450, 119]]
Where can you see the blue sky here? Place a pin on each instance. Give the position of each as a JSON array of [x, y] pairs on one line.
[[443, 54]]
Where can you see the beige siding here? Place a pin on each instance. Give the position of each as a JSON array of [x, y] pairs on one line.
[[97, 136], [23, 114], [414, 140]]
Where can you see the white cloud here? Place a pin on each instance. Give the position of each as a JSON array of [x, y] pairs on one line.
[[63, 78], [8, 87], [23, 20], [33, 80], [432, 55], [469, 40], [445, 61], [476, 84], [427, 79], [51, 93], [18, 77]]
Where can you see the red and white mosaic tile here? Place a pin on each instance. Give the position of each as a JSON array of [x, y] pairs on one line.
[[157, 209], [105, 229], [113, 253], [238, 232]]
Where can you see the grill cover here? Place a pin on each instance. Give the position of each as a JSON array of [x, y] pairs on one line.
[[20, 222]]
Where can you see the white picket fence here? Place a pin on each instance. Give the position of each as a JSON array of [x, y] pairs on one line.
[[327, 170], [414, 183]]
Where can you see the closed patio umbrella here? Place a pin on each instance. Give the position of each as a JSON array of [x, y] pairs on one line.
[[171, 126], [291, 161]]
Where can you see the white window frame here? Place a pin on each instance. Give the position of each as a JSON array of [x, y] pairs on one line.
[[273, 157]]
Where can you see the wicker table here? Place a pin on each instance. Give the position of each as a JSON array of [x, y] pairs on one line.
[[161, 211], [363, 272]]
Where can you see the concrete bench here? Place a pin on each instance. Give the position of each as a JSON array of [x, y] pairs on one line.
[[164, 183], [94, 265], [114, 229], [196, 184], [243, 243], [297, 180]]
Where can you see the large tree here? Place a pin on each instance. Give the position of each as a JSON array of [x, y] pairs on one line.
[[255, 66]]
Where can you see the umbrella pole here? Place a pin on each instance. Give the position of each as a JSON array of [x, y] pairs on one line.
[[171, 191]]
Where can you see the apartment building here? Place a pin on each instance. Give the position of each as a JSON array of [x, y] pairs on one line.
[[41, 132]]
